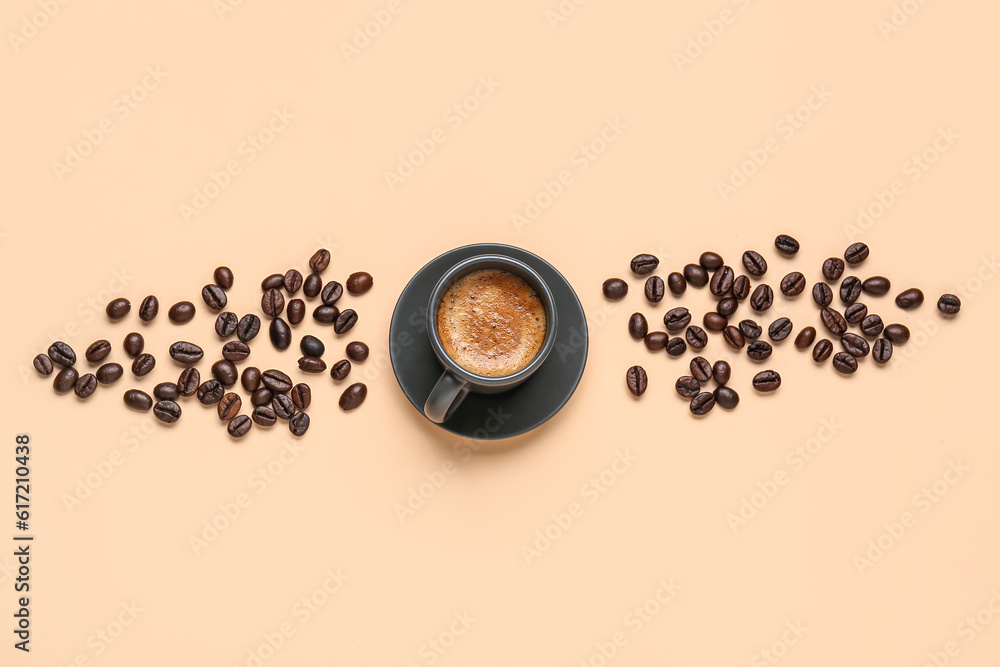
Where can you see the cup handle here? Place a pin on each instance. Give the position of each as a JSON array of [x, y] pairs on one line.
[[445, 397]]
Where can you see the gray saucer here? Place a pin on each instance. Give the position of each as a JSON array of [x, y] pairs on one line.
[[485, 416]]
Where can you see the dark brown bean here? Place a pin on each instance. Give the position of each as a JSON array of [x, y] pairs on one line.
[[759, 350], [654, 289], [292, 281], [298, 424], [696, 337], [301, 396], [714, 322], [210, 392], [833, 268], [845, 363], [850, 289], [855, 312], [345, 322], [766, 381], [687, 386], [311, 365], [636, 380], [118, 308], [793, 284], [805, 338], [695, 275], [98, 351], [235, 351], [167, 411], [822, 350], [754, 264], [149, 308], [283, 406], [882, 350], [312, 285], [186, 353], [676, 346], [710, 261], [109, 373], [909, 299], [949, 304], [897, 333], [166, 391], [721, 282], [726, 306], [239, 426], [637, 326], [357, 351], [655, 341], [272, 303], [65, 380], [721, 371], [273, 281], [143, 364], [263, 415], [676, 319], [296, 311], [225, 372], [822, 295], [762, 298], [786, 244], [188, 382], [701, 369], [876, 285], [677, 283], [320, 260], [262, 396], [181, 312], [85, 386], [250, 378], [733, 337], [358, 283], [613, 289], [353, 396], [703, 403], [741, 287], [855, 344], [223, 277], [42, 364], [134, 344], [229, 406], [856, 253], [642, 265], [214, 296], [872, 326], [138, 400], [225, 324], [833, 321], [276, 381], [340, 370]]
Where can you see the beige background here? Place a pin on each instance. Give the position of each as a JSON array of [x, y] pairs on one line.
[[683, 127]]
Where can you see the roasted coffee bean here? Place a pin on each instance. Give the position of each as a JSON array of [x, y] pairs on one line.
[[949, 304], [188, 382], [856, 253], [273, 281], [185, 352], [138, 400], [855, 344], [714, 322], [897, 333], [312, 346], [845, 363], [345, 322], [643, 264], [225, 324], [326, 314], [850, 289], [301, 395], [280, 333], [263, 415], [822, 295], [353, 396], [214, 296], [167, 411], [655, 341], [833, 321], [750, 329], [312, 285], [210, 392], [703, 403], [676, 319], [822, 350], [340, 370], [166, 391], [320, 260], [654, 289], [909, 299], [687, 386], [872, 326], [292, 281], [143, 364], [296, 311], [762, 298], [759, 350], [181, 312], [755, 264], [695, 275], [726, 397], [833, 268], [876, 285], [225, 372], [109, 373], [766, 381], [149, 308], [311, 365], [65, 379], [780, 329], [333, 290], [223, 277], [677, 283], [359, 283], [261, 396], [98, 351], [62, 354], [721, 372], [882, 350], [272, 303], [733, 337], [710, 261], [299, 424], [248, 328], [696, 337], [855, 313], [276, 381], [805, 338], [786, 244], [741, 287], [701, 369], [726, 306], [793, 284], [134, 344], [635, 380], [613, 288], [235, 350], [229, 406], [239, 426], [118, 308], [283, 406], [637, 326], [357, 351], [85, 386], [42, 364], [676, 346], [250, 378], [722, 281]]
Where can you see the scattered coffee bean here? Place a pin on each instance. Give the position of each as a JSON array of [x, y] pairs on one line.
[[250, 378], [320, 260], [741, 287], [210, 392], [311, 365], [229, 406], [299, 424], [762, 298], [109, 373], [301, 395], [276, 381], [283, 406], [822, 295], [726, 397], [882, 350], [225, 372], [949, 304], [188, 382], [635, 379], [696, 337], [85, 386], [98, 351], [714, 322], [759, 350], [695, 275], [239, 426], [655, 341], [326, 314], [876, 285], [856, 312], [710, 261], [333, 291], [263, 415], [312, 285], [687, 386], [273, 281], [613, 288], [677, 283], [721, 371], [726, 306], [845, 363], [722, 281], [850, 289], [42, 364], [359, 283], [345, 322], [750, 329], [138, 400], [643, 264], [62, 354], [833, 321], [833, 268], [181, 312], [702, 403], [261, 396], [167, 411], [822, 350], [292, 281], [118, 308], [280, 333], [235, 351], [780, 329], [701, 369], [856, 253], [272, 303], [766, 381], [654, 289], [805, 338], [872, 326], [676, 346], [143, 364], [134, 344], [65, 379], [357, 351], [296, 311], [637, 326], [755, 264], [855, 345], [214, 296], [166, 391], [248, 328], [786, 244], [733, 337], [149, 308], [223, 277], [909, 299], [225, 324], [793, 284], [186, 353], [676, 319], [897, 333]]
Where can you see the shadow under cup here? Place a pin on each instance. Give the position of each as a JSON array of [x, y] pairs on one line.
[[456, 382]]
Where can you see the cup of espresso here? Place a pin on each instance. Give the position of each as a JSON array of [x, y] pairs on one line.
[[492, 322]]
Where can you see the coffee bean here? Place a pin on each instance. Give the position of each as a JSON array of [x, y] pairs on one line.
[[786, 244], [755, 264], [280, 333], [149, 308], [138, 400], [613, 288], [635, 379], [750, 329], [235, 351], [850, 289], [762, 298], [822, 295], [721, 371], [759, 350], [876, 285], [872, 326], [65, 379], [263, 415], [805, 338], [910, 298], [733, 337], [822, 350], [326, 314], [210, 392], [714, 322], [225, 324], [248, 328], [272, 303], [654, 289], [676, 319], [320, 260], [301, 395], [223, 277], [353, 396], [276, 381], [250, 378], [833, 268], [62, 354], [229, 406], [703, 403], [882, 350], [766, 381], [273, 281], [687, 386], [637, 326], [793, 284], [143, 364], [239, 426], [299, 424], [643, 264], [283, 406], [357, 351], [109, 373], [949, 304], [296, 311], [696, 337], [312, 285], [261, 396], [166, 391], [311, 365], [855, 313], [181, 312], [833, 321], [167, 411], [845, 363], [345, 322], [655, 341], [85, 386], [214, 296], [741, 287], [97, 351], [726, 397], [856, 253], [710, 261], [188, 382], [186, 353], [780, 329], [333, 290], [726, 306], [722, 281], [292, 281], [855, 345], [695, 275], [676, 346], [897, 333], [359, 283], [134, 344], [677, 283], [118, 308], [225, 372], [42, 364], [701, 369]]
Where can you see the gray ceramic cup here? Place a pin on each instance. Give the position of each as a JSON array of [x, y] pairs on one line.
[[455, 382]]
